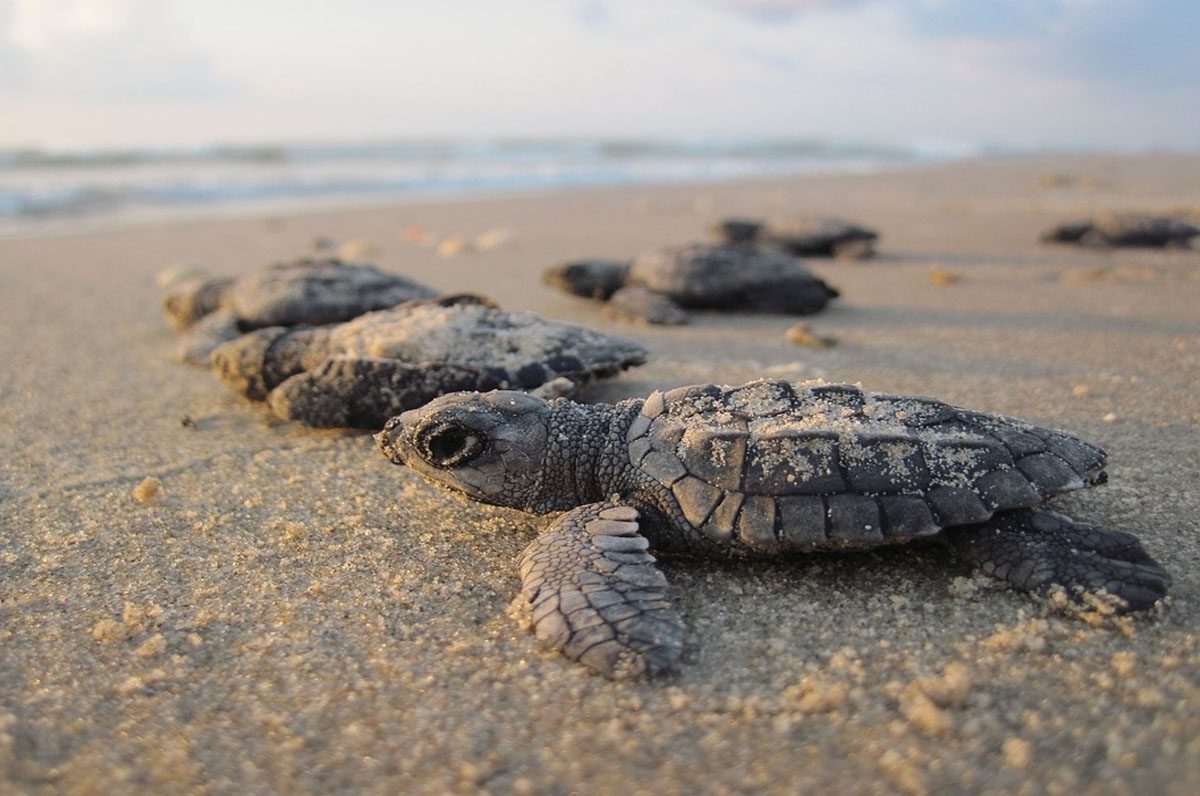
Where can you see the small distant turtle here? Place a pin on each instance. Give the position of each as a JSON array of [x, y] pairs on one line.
[[765, 468], [657, 284], [803, 237], [1112, 230], [360, 373], [308, 290]]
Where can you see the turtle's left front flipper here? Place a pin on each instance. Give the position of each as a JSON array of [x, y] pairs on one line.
[[597, 596], [1038, 550]]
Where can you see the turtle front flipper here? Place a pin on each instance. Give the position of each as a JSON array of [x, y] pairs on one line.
[[255, 363], [1037, 551], [596, 595], [364, 392], [203, 337]]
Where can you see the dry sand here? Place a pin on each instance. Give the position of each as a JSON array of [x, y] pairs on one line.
[[234, 605]]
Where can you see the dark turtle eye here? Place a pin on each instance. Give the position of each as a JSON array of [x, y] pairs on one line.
[[446, 445]]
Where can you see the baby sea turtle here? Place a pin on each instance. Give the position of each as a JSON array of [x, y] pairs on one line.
[[657, 284], [362, 372], [1112, 230], [803, 237], [308, 290], [766, 468]]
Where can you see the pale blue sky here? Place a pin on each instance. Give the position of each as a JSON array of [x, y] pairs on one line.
[[1093, 73]]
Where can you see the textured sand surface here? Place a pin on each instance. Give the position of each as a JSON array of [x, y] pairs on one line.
[[197, 598]]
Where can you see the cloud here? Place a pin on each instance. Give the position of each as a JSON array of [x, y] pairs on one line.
[[778, 10], [959, 19], [1091, 72], [1059, 72], [102, 50], [1131, 46], [40, 26], [1137, 45], [593, 14], [13, 66]]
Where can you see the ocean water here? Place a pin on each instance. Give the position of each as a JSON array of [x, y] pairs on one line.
[[41, 188]]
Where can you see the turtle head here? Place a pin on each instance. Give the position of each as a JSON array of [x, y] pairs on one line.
[[489, 446]]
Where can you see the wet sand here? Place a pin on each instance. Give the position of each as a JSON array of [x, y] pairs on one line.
[[282, 610]]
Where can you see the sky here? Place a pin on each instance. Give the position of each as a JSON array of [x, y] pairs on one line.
[[1121, 74]]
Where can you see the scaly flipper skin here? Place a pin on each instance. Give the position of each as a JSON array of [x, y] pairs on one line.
[[1037, 551], [363, 392], [259, 361], [597, 596]]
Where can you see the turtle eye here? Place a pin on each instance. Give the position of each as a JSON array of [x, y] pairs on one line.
[[446, 445]]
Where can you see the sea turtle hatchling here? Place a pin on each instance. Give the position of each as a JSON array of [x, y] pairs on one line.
[[1112, 230], [802, 236], [361, 372], [766, 468], [658, 284], [310, 290]]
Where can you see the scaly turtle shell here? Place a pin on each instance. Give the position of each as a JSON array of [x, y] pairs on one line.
[[775, 466], [520, 349], [317, 291], [725, 275]]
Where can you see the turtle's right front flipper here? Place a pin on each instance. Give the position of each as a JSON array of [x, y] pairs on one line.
[[597, 596]]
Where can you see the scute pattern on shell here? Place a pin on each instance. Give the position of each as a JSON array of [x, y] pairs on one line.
[[318, 291], [773, 465], [730, 275], [520, 349]]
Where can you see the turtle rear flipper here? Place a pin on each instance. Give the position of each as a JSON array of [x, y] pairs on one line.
[[1037, 551], [596, 595], [363, 392]]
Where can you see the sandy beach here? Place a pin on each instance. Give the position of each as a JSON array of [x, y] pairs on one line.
[[291, 613]]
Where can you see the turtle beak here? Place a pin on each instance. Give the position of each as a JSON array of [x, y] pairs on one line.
[[391, 438]]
